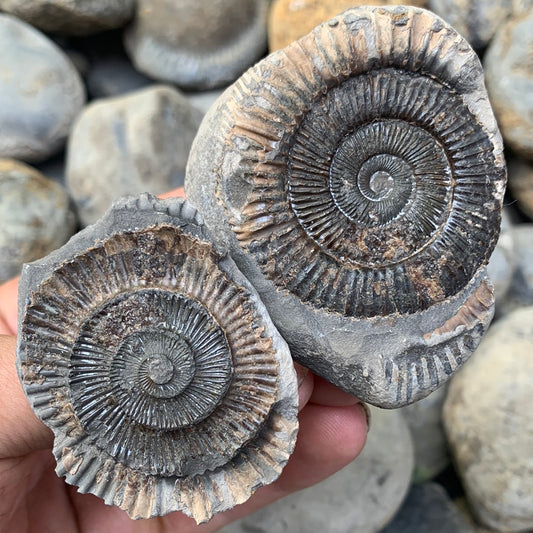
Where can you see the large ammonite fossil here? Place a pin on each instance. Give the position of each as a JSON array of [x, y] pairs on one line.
[[156, 365], [357, 178]]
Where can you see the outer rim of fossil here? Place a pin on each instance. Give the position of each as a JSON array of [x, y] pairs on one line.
[[248, 449], [287, 86]]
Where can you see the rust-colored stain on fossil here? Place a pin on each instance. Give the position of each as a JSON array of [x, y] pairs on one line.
[[474, 310]]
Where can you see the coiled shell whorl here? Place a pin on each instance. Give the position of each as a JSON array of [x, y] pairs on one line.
[[357, 176], [156, 365]]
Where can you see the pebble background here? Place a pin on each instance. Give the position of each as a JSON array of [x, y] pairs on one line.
[[104, 98]]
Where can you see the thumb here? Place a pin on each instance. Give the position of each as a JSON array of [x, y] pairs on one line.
[[21, 432]]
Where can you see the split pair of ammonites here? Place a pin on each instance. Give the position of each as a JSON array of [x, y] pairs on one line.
[[350, 188]]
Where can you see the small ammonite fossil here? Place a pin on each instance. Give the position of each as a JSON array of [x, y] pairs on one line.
[[357, 178], [151, 357]]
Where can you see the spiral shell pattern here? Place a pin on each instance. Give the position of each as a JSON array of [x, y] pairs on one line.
[[155, 368], [371, 174]]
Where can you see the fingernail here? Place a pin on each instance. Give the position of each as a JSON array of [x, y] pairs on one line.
[[301, 373], [366, 411]]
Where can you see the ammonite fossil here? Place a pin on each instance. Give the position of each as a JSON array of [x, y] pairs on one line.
[[357, 178], [156, 365]]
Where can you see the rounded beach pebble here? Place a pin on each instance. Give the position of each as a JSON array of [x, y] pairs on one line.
[[197, 44], [36, 216], [489, 423], [73, 17], [509, 78], [128, 145], [41, 93]]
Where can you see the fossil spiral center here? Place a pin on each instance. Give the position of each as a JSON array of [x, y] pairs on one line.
[[158, 361], [372, 184], [168, 363], [373, 196], [380, 184], [160, 370]]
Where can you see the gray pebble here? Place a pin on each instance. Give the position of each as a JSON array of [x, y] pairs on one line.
[[520, 292], [41, 93], [361, 498], [197, 44], [36, 216], [509, 79], [72, 17], [489, 423], [128, 145], [424, 419], [476, 20], [502, 261], [428, 509]]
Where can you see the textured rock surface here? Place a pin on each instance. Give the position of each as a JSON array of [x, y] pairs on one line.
[[520, 292], [428, 509], [36, 216], [127, 145], [520, 176], [476, 20], [310, 170], [361, 498], [197, 44], [142, 312], [509, 77], [291, 19], [76, 17], [489, 424], [41, 93], [424, 419]]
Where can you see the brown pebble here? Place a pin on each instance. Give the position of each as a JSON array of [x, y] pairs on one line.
[[291, 19]]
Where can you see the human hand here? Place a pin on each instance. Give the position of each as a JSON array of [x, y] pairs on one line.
[[332, 432]]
